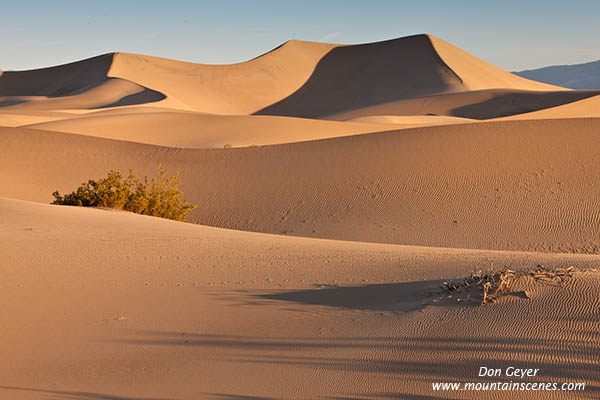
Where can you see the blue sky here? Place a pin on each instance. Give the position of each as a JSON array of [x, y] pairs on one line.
[[513, 35]]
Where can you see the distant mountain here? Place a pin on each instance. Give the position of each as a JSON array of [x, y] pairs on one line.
[[577, 76]]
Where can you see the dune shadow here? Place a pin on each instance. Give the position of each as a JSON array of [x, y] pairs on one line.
[[244, 343], [226, 396], [381, 297], [68, 80], [385, 395], [341, 81], [519, 102], [75, 395], [406, 296], [402, 396], [420, 359], [8, 103], [57, 81], [369, 396], [464, 353], [143, 97], [492, 345], [400, 69]]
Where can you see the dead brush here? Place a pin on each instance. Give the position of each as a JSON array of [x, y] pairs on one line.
[[491, 286]]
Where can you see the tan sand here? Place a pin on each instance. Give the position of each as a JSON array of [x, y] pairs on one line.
[[16, 118], [297, 79], [195, 130], [477, 104], [113, 305], [398, 69], [518, 185], [412, 121], [379, 172], [111, 92], [477, 74]]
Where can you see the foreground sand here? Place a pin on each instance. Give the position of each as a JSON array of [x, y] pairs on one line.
[[360, 179], [110, 305]]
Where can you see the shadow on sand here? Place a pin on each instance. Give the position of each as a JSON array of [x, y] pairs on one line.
[[341, 83], [72, 395], [406, 296], [67, 80], [519, 102], [369, 396], [354, 77], [448, 356], [403, 358]]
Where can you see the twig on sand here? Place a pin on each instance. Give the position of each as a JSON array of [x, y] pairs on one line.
[[493, 285]]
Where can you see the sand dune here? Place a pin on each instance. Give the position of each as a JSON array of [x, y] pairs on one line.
[[585, 108], [411, 121], [523, 185], [17, 118], [82, 84], [477, 104], [226, 89], [111, 93], [57, 81], [477, 74], [407, 77], [302, 79], [366, 176], [151, 305], [194, 130], [405, 68]]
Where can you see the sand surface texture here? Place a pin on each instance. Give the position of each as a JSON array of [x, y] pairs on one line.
[[338, 187]]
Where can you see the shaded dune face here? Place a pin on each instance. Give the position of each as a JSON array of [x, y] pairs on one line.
[[518, 102], [84, 84], [63, 80], [350, 77], [476, 104], [299, 79]]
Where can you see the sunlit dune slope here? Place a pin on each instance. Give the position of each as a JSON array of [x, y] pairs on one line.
[[195, 130], [497, 185], [411, 121], [113, 305], [302, 79], [477, 74], [15, 118], [226, 89], [354, 77]]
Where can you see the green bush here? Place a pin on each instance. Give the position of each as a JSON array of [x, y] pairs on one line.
[[159, 197]]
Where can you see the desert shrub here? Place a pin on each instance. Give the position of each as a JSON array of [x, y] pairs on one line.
[[491, 286], [159, 196]]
